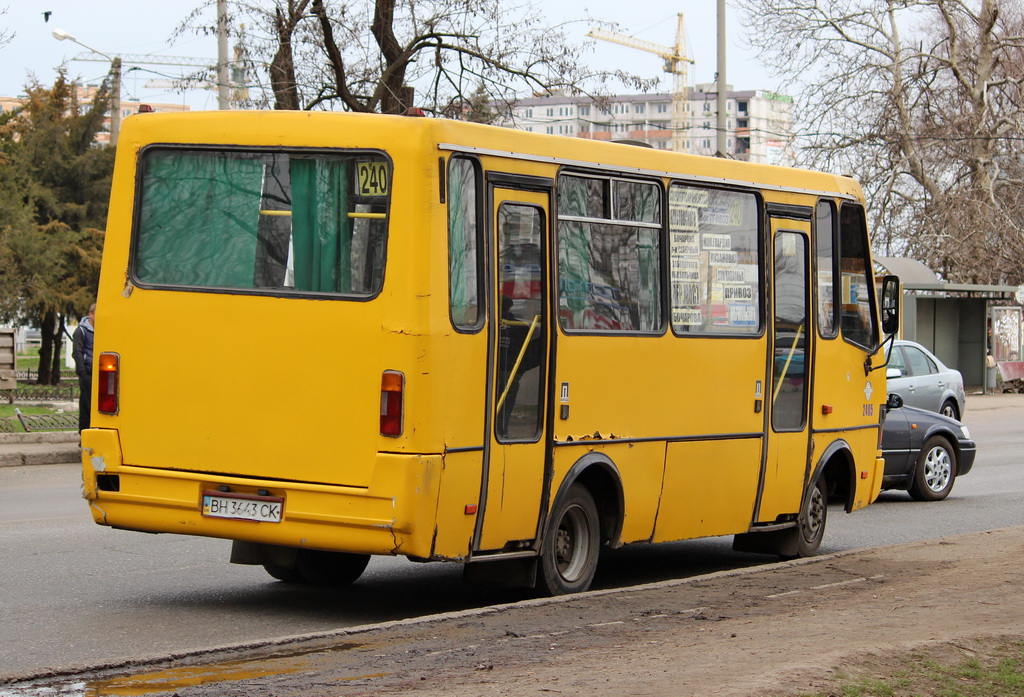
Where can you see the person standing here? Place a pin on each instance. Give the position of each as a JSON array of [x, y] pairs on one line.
[[81, 342]]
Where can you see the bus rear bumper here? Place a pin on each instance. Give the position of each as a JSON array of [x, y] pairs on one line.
[[314, 516]]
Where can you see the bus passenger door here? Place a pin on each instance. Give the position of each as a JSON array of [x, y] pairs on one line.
[[787, 464], [514, 470]]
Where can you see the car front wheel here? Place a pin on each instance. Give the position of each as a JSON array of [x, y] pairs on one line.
[[935, 472]]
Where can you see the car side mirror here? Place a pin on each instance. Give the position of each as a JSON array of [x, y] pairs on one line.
[[890, 304], [894, 401], [893, 373]]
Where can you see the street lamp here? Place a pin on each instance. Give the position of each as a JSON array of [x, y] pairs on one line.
[[115, 72]]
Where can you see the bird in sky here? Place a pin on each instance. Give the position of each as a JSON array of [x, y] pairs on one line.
[[46, 15]]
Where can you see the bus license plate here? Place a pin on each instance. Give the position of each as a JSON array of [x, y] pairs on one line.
[[264, 509]]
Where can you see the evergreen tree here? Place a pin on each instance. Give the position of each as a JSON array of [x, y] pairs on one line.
[[56, 182]]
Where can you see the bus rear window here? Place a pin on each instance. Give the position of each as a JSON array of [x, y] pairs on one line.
[[277, 222]]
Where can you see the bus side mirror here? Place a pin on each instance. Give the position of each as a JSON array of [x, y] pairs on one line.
[[890, 304]]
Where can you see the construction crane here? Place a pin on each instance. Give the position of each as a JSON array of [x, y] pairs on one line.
[[149, 59], [238, 83], [207, 65], [676, 62]]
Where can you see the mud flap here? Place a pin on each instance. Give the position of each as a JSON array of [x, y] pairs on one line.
[[507, 573], [784, 543]]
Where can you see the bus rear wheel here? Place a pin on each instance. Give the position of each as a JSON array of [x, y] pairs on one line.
[[571, 543], [282, 572], [812, 521], [320, 568]]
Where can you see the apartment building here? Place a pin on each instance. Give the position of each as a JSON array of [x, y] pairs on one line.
[[759, 123]]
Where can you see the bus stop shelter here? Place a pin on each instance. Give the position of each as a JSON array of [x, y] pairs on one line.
[[961, 323]]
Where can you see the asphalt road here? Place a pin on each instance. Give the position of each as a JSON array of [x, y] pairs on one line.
[[73, 594]]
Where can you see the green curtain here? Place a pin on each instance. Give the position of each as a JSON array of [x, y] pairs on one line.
[[322, 244], [198, 221]]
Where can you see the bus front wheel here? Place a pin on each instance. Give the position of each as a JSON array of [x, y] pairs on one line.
[[571, 544]]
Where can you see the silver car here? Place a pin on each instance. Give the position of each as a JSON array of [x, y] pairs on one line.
[[921, 379]]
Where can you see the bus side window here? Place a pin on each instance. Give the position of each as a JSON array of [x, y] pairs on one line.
[[464, 230], [857, 291], [824, 238], [609, 254]]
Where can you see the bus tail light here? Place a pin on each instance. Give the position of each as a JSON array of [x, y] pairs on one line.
[[392, 396], [108, 388]]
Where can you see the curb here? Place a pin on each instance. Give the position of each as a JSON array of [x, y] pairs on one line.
[[40, 448], [67, 455], [39, 437]]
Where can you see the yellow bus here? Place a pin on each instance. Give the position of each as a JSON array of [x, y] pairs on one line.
[[328, 336]]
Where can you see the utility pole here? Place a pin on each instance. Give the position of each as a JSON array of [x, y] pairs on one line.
[[223, 80], [115, 79], [115, 100], [721, 123]]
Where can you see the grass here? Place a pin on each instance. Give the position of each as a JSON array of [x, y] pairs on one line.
[[998, 673], [29, 362], [30, 359], [7, 412], [26, 361]]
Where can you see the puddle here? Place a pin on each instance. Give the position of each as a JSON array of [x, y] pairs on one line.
[[173, 679]]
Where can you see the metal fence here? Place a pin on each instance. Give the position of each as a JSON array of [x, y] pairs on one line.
[[30, 375], [65, 392]]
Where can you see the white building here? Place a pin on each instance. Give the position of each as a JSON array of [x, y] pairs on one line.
[[759, 123]]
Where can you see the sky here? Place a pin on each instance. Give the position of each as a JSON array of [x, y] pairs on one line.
[[134, 27]]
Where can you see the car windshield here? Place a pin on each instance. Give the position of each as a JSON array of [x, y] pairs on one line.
[[896, 360]]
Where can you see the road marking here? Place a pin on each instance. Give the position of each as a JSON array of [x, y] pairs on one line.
[[837, 584], [779, 595], [848, 582]]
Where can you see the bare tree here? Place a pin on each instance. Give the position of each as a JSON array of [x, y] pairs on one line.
[[375, 55], [5, 34], [920, 100]]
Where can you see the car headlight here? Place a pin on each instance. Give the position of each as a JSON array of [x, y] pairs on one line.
[[966, 434]]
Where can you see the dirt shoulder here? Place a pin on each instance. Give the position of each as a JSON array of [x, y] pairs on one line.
[[776, 630]]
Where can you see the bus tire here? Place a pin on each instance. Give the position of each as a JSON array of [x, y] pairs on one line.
[[330, 568], [571, 544], [811, 526], [288, 574]]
